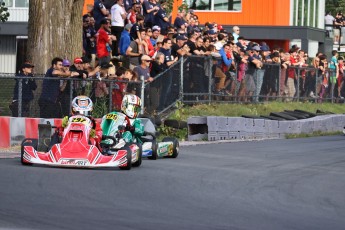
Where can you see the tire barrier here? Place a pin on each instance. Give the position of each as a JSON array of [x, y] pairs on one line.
[[213, 128]]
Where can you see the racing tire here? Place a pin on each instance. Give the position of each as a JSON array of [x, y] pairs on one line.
[[140, 154], [129, 158], [154, 151], [176, 146], [27, 142]]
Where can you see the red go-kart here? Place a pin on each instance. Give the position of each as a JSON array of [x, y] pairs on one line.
[[73, 150]]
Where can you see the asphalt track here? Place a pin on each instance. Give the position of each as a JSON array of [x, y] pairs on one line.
[[272, 184]]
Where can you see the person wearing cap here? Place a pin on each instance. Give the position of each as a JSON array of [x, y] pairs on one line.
[[156, 32], [118, 16], [179, 48], [28, 84]]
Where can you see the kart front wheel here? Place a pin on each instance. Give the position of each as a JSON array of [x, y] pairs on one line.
[[176, 146], [140, 153], [27, 142], [129, 158], [154, 151]]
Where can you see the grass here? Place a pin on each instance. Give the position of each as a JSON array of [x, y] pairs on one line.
[[237, 110]]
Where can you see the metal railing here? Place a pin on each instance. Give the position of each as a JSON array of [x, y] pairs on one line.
[[191, 80]]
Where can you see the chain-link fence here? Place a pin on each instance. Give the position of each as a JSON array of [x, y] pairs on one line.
[[191, 80]]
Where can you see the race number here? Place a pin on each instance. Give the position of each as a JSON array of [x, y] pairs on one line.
[[111, 116], [78, 119]]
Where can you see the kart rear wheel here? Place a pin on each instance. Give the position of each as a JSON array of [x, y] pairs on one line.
[[27, 142], [176, 146], [138, 162], [154, 151], [129, 158]]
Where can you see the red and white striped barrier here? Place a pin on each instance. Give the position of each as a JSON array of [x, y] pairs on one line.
[[15, 129]]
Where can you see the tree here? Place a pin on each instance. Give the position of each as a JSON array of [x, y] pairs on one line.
[[4, 14], [54, 30]]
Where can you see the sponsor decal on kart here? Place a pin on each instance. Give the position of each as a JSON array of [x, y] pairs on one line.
[[76, 162]]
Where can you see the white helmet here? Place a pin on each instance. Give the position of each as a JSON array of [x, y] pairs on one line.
[[131, 105], [82, 105]]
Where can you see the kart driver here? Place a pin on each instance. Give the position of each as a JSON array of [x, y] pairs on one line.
[[82, 105], [131, 107], [132, 127]]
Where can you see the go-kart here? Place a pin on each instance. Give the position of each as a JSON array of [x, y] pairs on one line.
[[75, 149], [115, 123]]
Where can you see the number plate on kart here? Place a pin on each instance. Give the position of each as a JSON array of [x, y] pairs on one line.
[[76, 162]]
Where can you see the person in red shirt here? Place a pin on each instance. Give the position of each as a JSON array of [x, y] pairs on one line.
[[104, 41], [120, 87]]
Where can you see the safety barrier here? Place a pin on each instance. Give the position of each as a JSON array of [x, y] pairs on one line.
[[231, 128]]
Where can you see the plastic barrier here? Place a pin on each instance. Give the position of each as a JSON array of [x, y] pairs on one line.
[[221, 128]]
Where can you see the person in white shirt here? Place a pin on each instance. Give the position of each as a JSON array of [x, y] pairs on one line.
[[118, 16], [329, 19]]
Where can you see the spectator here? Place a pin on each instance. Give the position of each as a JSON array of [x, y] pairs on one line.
[[143, 72], [99, 13], [157, 68], [179, 48], [333, 70], [161, 19], [104, 41], [125, 39], [118, 16], [65, 90], [340, 80], [156, 31], [236, 33], [102, 91], [132, 15], [48, 102], [136, 28], [290, 89], [180, 22], [28, 86], [147, 39], [78, 86], [168, 61], [119, 89], [150, 7], [89, 39], [337, 27], [329, 19], [135, 50]]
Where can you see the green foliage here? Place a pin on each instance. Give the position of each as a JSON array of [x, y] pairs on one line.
[[4, 14], [313, 134], [237, 110], [170, 3], [166, 131], [335, 6]]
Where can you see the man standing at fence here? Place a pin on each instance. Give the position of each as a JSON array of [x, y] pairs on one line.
[[48, 102], [167, 82], [28, 86]]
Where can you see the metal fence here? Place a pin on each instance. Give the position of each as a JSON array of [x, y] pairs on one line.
[[191, 80]]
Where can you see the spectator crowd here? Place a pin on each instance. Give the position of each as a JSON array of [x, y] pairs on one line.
[[133, 40]]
